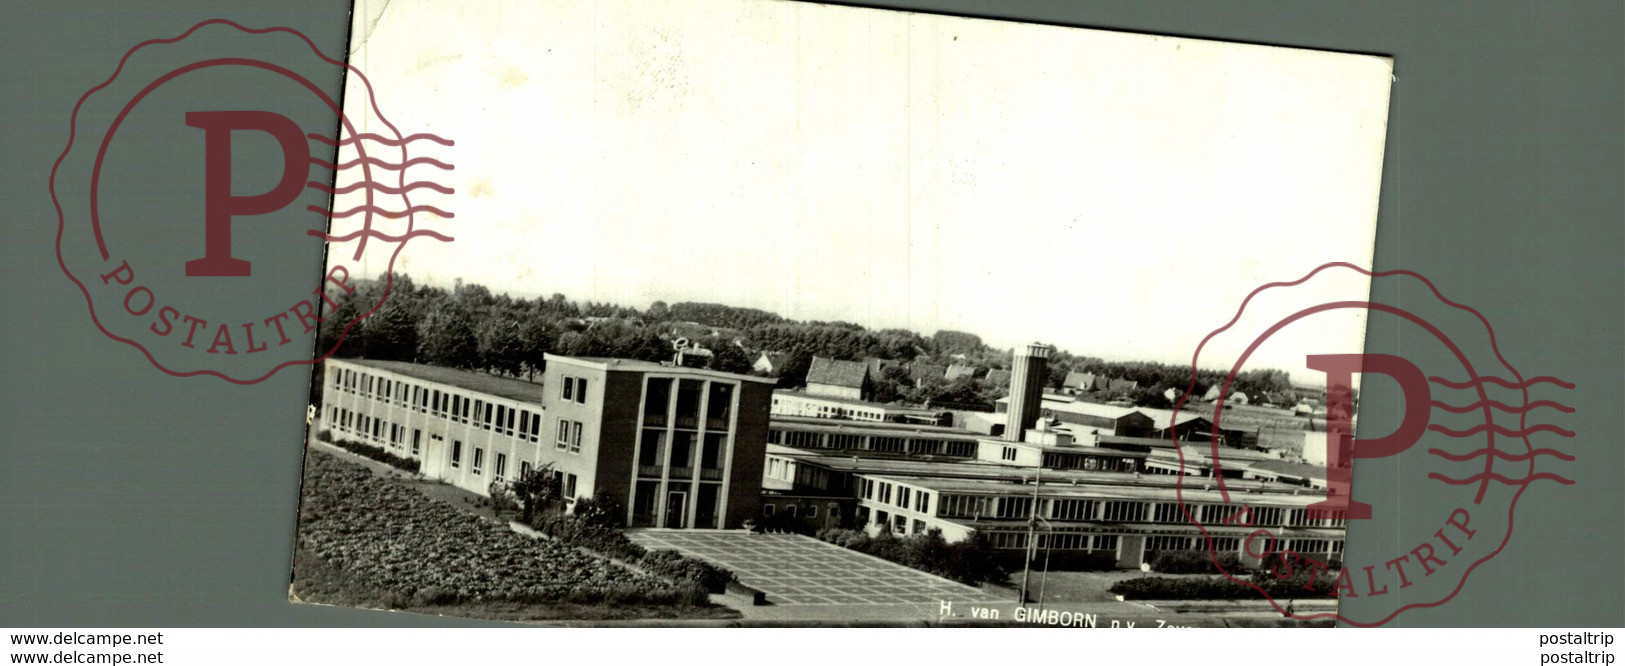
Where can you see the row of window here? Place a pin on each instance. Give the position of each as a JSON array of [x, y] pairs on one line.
[[802, 439], [525, 424], [346, 422], [1089, 463], [903, 498], [1118, 511], [809, 511], [1056, 541]]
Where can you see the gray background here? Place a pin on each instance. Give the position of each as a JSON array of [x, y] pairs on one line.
[[128, 497]]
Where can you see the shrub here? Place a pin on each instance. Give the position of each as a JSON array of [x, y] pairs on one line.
[[970, 561], [671, 564], [1219, 587], [502, 498], [784, 522], [377, 453], [613, 542], [406, 549], [1197, 562], [606, 541], [602, 511]]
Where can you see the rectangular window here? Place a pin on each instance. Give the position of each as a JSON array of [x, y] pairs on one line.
[[812, 512], [524, 469], [567, 389], [562, 439], [456, 406], [575, 438], [456, 453], [508, 430], [767, 509], [569, 486], [924, 502], [479, 459], [903, 497], [502, 465], [581, 390], [535, 427], [417, 441], [1009, 453]]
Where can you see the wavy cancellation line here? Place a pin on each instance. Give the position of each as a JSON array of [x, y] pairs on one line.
[[1544, 427], [379, 235], [1471, 383], [380, 187], [384, 140], [1503, 407], [1502, 455], [1492, 476], [391, 214], [373, 161]]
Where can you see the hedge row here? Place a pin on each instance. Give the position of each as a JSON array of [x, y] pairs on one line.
[[969, 561], [613, 542], [377, 453], [1219, 587], [1197, 562]]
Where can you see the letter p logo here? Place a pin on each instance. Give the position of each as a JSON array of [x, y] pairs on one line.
[[221, 205], [1341, 446]]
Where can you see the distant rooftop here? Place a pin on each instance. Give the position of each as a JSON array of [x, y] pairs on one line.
[[899, 409], [935, 474], [634, 365]]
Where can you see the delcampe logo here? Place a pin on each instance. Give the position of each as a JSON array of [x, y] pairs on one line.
[[196, 191], [1462, 452]]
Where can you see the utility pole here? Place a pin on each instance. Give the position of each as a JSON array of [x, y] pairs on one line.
[[1032, 529]]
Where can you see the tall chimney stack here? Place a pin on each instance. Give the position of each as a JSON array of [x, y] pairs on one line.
[[1026, 390]]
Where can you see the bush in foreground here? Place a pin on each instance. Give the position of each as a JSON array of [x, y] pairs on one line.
[[588, 529], [369, 451], [1296, 586], [381, 534], [969, 561], [1197, 562]]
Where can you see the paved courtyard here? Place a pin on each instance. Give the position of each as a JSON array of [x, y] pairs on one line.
[[797, 570]]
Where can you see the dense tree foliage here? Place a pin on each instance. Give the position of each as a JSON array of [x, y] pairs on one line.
[[470, 327]]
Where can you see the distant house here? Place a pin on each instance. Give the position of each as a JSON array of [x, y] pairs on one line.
[[924, 372], [1239, 398], [1303, 409], [958, 370], [1079, 381], [1123, 385], [838, 379], [770, 363], [878, 366], [998, 377]]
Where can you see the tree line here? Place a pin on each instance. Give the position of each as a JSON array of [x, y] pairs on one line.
[[470, 327]]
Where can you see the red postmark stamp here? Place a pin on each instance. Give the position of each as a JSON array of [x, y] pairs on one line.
[[195, 193], [1462, 453]]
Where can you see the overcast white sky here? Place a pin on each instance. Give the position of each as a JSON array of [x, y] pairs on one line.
[[1115, 194]]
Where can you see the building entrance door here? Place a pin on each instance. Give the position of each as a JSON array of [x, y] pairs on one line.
[[434, 458], [677, 508]]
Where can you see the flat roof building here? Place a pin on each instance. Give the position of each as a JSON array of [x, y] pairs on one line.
[[676, 446]]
